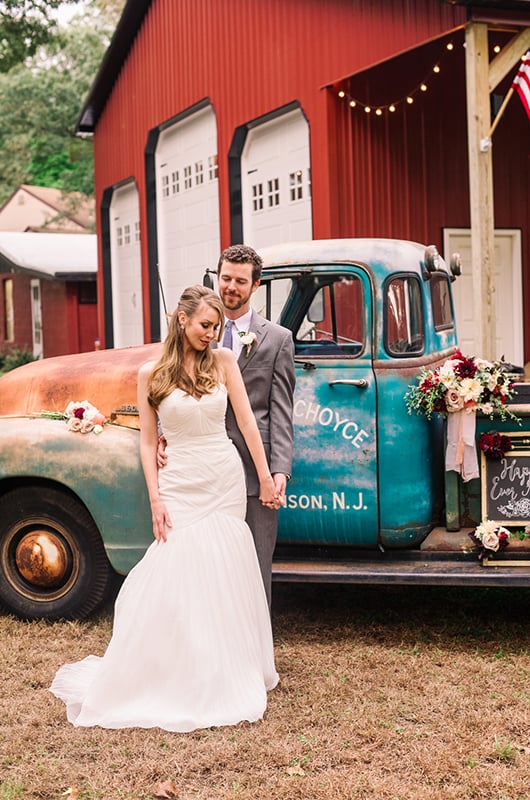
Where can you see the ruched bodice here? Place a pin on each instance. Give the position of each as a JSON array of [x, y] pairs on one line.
[[203, 468], [185, 419], [192, 641]]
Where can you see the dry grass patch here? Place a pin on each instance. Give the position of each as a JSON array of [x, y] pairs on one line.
[[386, 694]]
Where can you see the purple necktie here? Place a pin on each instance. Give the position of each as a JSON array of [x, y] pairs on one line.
[[227, 338]]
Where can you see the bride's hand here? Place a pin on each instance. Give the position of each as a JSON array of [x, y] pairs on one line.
[[268, 494], [161, 520]]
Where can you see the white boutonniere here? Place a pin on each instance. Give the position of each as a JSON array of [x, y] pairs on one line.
[[247, 339]]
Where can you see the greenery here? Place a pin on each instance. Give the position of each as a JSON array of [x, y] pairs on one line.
[[44, 81], [15, 358]]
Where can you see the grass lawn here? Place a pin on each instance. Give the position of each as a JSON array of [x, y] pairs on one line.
[[386, 693]]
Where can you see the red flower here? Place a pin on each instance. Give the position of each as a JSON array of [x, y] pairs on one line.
[[466, 368], [494, 445], [79, 413]]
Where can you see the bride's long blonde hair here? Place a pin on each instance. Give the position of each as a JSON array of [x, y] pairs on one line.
[[169, 373]]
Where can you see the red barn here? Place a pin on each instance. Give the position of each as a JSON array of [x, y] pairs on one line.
[[277, 120], [48, 293]]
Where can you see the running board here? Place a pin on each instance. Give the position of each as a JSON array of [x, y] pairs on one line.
[[394, 569]]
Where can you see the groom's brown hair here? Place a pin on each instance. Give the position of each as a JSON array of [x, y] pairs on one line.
[[242, 254]]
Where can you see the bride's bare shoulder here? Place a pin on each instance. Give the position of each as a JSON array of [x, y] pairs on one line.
[[146, 369]]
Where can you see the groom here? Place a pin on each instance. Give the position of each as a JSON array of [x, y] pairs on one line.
[[265, 355]]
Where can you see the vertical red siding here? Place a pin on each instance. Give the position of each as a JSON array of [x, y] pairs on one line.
[[248, 57], [403, 175]]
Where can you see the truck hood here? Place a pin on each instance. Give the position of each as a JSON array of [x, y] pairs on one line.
[[106, 378]]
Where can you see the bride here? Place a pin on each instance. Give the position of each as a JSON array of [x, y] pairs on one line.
[[192, 642]]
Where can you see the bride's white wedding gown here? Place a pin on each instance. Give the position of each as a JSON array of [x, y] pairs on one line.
[[192, 642]]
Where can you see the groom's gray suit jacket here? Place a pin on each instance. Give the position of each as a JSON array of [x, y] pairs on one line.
[[269, 378]]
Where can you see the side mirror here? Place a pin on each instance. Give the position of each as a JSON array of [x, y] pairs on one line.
[[207, 279], [455, 264], [432, 258]]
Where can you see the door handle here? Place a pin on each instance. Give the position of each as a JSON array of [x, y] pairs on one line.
[[362, 383]]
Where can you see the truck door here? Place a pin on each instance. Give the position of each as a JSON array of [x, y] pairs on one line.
[[332, 497]]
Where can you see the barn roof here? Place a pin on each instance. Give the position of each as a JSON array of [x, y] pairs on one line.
[[66, 256], [130, 22]]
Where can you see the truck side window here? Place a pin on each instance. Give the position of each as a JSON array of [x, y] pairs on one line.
[[403, 316], [442, 311], [334, 322]]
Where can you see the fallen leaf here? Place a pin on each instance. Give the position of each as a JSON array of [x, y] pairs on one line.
[[296, 770], [72, 792], [166, 789]]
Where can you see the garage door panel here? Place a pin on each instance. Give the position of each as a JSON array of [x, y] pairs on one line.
[[187, 203], [276, 184], [126, 267]]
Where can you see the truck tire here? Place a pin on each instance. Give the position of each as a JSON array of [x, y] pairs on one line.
[[52, 561]]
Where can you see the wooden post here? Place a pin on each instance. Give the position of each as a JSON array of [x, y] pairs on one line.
[[481, 189]]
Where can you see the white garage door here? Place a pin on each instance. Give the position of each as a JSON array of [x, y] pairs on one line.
[[508, 293], [187, 205], [276, 182], [126, 267]]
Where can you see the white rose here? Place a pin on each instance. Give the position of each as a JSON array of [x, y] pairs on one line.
[[471, 390], [453, 400], [490, 541], [74, 424]]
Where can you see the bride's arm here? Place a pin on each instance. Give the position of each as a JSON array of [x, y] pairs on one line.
[[148, 451], [246, 422]]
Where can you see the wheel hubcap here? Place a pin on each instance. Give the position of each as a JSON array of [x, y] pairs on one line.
[[42, 558]]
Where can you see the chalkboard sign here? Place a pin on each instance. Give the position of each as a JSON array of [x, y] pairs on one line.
[[506, 484]]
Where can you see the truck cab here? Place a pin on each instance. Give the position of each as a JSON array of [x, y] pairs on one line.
[[369, 500]]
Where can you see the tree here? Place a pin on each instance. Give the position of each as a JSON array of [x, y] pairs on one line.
[[25, 25], [40, 102]]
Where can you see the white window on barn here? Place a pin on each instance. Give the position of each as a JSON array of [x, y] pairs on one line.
[[213, 167], [119, 236], [137, 231], [165, 185], [175, 182], [126, 234], [199, 173], [257, 197], [273, 192], [296, 180]]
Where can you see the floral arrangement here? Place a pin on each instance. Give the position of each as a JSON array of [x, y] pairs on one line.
[[494, 444], [461, 383], [490, 537], [247, 339], [80, 417]]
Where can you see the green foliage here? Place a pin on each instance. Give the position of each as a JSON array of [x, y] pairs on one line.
[[16, 358], [24, 27], [41, 100], [10, 790]]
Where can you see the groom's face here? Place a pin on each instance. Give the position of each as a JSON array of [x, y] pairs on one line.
[[236, 287]]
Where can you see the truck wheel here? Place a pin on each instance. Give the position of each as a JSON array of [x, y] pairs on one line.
[[52, 561]]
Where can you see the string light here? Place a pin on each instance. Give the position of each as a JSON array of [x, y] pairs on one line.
[[423, 87]]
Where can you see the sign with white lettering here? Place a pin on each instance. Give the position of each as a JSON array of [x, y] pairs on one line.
[[506, 486]]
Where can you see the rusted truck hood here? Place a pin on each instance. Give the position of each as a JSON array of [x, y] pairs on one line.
[[106, 378]]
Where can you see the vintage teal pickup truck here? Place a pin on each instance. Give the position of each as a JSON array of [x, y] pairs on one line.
[[369, 500]]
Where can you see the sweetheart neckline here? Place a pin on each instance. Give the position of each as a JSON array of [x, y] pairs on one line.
[[219, 385]]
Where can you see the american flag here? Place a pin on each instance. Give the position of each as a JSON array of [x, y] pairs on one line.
[[521, 82]]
